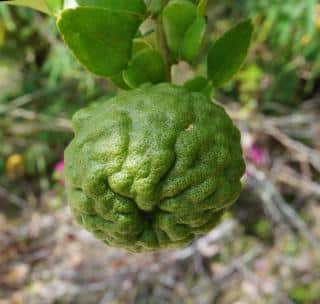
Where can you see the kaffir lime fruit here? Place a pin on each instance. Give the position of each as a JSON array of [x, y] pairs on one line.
[[153, 167]]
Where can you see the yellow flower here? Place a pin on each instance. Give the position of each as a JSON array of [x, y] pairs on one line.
[[305, 40], [14, 166]]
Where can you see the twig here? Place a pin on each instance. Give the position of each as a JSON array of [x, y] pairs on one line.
[[300, 149], [268, 192], [27, 98], [225, 229], [290, 177], [238, 263], [260, 285], [13, 198], [269, 205], [271, 127], [49, 123], [292, 120]]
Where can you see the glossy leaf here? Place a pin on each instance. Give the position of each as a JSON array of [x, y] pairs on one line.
[[228, 53], [146, 66], [156, 6], [178, 15], [118, 81], [54, 5], [101, 38], [140, 44], [199, 84], [39, 5], [193, 39], [133, 6], [196, 84]]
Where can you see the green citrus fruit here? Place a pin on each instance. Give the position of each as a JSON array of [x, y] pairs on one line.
[[153, 167]]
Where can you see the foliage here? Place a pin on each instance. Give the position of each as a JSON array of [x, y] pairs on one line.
[[226, 56], [37, 72], [286, 47], [306, 294]]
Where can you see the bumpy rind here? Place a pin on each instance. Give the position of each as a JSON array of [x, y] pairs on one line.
[[153, 167]]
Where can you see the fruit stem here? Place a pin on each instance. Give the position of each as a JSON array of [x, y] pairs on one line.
[[162, 45]]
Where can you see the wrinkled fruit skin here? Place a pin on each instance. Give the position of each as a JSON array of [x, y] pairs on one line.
[[153, 167]]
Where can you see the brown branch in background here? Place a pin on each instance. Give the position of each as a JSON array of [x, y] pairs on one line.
[[238, 263], [13, 198], [270, 195], [289, 176], [300, 151], [44, 122], [206, 245], [28, 98]]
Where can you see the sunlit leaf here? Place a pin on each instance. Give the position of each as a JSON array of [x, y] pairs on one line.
[[193, 39], [228, 53], [101, 36], [146, 66], [178, 15], [40, 5]]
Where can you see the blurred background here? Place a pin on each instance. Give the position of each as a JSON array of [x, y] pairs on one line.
[[267, 247]]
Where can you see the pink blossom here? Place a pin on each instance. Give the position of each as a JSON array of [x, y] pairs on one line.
[[58, 172], [258, 155], [59, 167]]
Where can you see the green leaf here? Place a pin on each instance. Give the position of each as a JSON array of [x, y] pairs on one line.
[[196, 84], [199, 84], [101, 36], [228, 53], [193, 39], [156, 6], [118, 81], [177, 17], [54, 5], [39, 5], [140, 44], [133, 6], [146, 66]]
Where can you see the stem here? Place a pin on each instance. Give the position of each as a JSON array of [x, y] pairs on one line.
[[162, 46], [202, 6]]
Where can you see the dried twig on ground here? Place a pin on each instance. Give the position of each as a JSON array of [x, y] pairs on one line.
[[44, 122], [238, 264], [204, 245], [271, 196], [300, 151], [13, 198], [289, 176]]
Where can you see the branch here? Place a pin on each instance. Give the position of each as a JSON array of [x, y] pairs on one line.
[[12, 198], [301, 150], [270, 195], [162, 46]]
